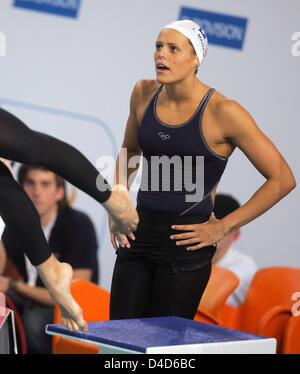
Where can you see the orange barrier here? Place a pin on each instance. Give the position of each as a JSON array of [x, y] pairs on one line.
[[268, 304], [291, 337], [221, 284]]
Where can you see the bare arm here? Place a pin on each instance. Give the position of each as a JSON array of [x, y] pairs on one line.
[[128, 160], [126, 167], [129, 157], [130, 147], [241, 130]]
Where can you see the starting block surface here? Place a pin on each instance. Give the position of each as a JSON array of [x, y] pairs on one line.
[[166, 335]]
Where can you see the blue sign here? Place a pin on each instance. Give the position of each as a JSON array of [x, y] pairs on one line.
[[67, 8], [221, 29]]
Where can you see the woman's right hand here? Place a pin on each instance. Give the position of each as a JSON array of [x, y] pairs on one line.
[[117, 237], [124, 217]]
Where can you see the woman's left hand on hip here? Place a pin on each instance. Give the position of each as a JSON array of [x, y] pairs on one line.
[[204, 234]]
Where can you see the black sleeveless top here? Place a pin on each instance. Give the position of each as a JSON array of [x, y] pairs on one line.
[[179, 170]]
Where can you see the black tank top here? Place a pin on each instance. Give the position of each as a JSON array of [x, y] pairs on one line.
[[179, 170]]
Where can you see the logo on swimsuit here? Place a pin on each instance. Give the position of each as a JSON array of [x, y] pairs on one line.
[[164, 136], [66, 8], [2, 45], [296, 46], [221, 29]]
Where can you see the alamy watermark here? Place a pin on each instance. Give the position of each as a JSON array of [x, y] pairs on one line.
[[296, 307], [174, 173], [296, 46], [2, 45]]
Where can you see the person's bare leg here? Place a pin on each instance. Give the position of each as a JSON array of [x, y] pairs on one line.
[[57, 277]]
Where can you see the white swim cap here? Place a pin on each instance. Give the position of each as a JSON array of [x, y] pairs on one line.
[[194, 33]]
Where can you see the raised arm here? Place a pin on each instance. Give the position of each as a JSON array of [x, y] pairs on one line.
[[19, 143]]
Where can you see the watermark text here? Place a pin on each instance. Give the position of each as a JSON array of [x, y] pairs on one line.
[[296, 306], [2, 45], [159, 173], [296, 46]]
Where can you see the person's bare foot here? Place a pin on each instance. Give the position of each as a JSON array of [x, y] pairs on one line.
[[57, 277]]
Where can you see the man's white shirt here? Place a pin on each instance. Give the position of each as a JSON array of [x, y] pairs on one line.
[[244, 267], [31, 270]]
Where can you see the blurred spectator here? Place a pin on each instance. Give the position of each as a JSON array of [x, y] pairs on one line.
[[2, 252], [228, 256], [71, 237]]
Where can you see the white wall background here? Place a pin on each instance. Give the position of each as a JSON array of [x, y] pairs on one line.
[[72, 77]]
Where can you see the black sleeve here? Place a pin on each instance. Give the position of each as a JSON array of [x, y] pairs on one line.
[[14, 252], [21, 218], [21, 144]]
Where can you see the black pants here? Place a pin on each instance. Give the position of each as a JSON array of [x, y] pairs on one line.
[[155, 277]]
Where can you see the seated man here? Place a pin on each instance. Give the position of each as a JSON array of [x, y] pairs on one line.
[[227, 256], [71, 237]]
